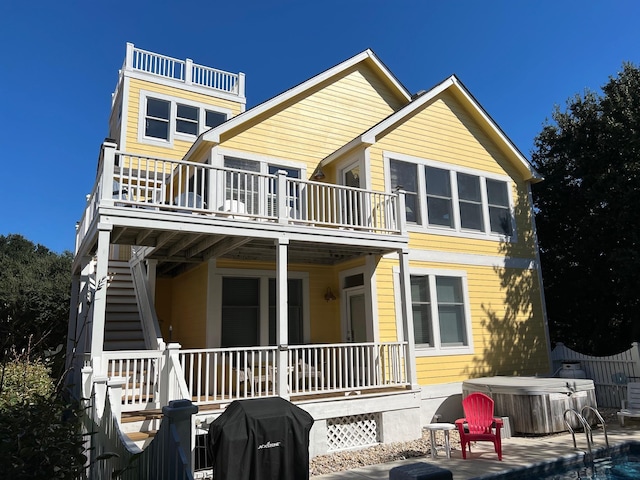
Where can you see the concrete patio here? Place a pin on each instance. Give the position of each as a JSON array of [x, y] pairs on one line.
[[518, 452]]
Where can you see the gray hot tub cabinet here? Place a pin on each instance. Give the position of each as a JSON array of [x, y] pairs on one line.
[[535, 405]]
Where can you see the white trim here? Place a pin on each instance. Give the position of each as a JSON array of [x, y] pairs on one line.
[[457, 230], [371, 136], [194, 88], [437, 349], [469, 259], [218, 154], [173, 107], [264, 275]]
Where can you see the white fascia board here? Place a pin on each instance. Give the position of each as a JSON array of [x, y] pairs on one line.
[[214, 134], [369, 137], [535, 176]]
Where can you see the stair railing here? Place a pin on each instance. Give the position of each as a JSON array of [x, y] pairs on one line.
[[150, 326]]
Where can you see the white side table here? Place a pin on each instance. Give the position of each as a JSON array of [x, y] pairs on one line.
[[433, 428]]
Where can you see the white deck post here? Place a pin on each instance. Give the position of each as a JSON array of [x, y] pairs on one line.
[[108, 166], [188, 71], [407, 324], [128, 59], [240, 86], [401, 213], [281, 197], [100, 299], [282, 316]]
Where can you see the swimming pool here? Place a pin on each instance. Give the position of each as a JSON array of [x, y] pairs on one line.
[[621, 462]]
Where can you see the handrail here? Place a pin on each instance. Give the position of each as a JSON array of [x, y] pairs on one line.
[[585, 425], [589, 408], [150, 326]]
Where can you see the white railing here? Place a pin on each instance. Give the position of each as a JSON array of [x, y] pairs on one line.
[[142, 370], [114, 455], [610, 374], [225, 374], [345, 367], [151, 183], [151, 327], [183, 70]]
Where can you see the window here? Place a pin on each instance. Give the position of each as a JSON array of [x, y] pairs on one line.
[[404, 177], [240, 311], [499, 212], [157, 119], [213, 119], [187, 119], [440, 316], [163, 117], [445, 200], [294, 299]]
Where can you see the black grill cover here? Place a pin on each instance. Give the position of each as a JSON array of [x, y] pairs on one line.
[[260, 439]]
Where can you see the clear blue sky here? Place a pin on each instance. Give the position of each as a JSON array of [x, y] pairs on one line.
[[60, 61]]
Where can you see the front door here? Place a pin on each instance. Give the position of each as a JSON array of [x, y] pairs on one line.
[[356, 316]]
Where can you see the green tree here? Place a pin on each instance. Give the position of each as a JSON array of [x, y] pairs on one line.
[[35, 285], [588, 216]]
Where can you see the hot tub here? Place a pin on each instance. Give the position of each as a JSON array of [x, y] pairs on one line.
[[535, 405]]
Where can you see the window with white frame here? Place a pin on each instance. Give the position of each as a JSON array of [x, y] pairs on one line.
[[163, 117], [445, 199], [441, 322]]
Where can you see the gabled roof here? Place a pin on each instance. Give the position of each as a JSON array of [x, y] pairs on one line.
[[454, 84], [367, 56]]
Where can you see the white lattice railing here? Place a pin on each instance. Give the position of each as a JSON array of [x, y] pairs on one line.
[[165, 185], [183, 70]]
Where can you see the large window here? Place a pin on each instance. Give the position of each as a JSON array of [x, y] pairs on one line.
[[440, 314], [162, 118], [244, 304], [448, 200]]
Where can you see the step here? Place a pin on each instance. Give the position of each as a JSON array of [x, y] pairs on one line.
[[141, 436]]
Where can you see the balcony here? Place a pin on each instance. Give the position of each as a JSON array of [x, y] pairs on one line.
[[141, 197]]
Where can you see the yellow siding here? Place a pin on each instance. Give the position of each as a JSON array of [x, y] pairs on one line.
[[506, 322], [180, 147], [189, 307], [311, 127]]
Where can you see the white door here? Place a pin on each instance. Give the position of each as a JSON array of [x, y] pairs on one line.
[[356, 316]]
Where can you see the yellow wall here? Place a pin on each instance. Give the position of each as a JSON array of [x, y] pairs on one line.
[[181, 304], [179, 147], [309, 128]]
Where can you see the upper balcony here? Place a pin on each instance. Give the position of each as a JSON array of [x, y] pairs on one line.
[[183, 72], [175, 205]]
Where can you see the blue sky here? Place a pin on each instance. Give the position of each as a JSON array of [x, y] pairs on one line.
[[60, 61]]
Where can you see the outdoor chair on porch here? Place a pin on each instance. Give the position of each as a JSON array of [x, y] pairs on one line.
[[479, 424]]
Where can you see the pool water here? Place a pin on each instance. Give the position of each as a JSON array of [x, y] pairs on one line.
[[625, 467], [621, 462]]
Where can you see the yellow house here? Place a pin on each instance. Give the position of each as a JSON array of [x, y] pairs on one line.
[[351, 247]]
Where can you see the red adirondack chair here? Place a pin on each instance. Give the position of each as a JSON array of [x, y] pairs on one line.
[[479, 424]]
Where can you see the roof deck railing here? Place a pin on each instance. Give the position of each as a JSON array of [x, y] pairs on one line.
[[184, 71]]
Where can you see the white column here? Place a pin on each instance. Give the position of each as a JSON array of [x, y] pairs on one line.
[[108, 166], [282, 210], [188, 71], [407, 324], [128, 59], [100, 299], [282, 316]]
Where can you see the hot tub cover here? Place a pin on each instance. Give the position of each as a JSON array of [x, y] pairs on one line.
[[527, 385], [258, 439]]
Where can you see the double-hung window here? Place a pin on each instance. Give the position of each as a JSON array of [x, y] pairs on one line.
[[440, 313], [448, 200], [163, 117]]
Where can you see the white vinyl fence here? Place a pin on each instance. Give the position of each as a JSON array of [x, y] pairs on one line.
[[609, 374]]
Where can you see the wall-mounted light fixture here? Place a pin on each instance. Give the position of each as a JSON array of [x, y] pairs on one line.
[[329, 296], [318, 174]]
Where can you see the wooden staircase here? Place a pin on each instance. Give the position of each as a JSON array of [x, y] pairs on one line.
[[123, 328], [141, 426]]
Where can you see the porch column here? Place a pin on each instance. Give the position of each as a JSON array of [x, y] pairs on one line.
[[100, 298], [108, 166], [407, 315], [282, 317]]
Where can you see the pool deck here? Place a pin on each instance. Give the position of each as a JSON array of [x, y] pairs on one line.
[[517, 452]]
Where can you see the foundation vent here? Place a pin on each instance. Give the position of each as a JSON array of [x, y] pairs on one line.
[[353, 431]]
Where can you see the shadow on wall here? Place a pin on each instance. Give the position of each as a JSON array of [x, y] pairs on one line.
[[449, 410], [515, 341]]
